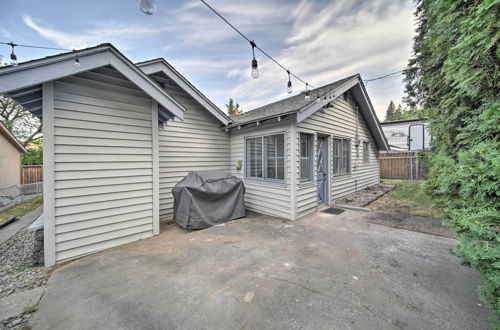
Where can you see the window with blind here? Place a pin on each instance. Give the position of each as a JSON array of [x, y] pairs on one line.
[[306, 157], [265, 157], [366, 152], [341, 156]]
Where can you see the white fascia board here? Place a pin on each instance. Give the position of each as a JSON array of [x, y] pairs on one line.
[[61, 66], [157, 66], [379, 130], [147, 85], [39, 72], [311, 108]]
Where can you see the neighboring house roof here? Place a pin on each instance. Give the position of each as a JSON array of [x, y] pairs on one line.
[[11, 138], [23, 82], [298, 106], [161, 65], [404, 121]]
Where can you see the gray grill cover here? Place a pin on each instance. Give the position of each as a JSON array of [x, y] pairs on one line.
[[206, 198]]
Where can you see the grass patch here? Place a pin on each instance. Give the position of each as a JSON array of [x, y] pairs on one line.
[[21, 209], [30, 308], [409, 197]]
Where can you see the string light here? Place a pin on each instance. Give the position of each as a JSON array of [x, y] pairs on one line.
[[307, 97], [15, 62], [13, 57], [255, 69], [77, 62], [148, 7], [289, 84]]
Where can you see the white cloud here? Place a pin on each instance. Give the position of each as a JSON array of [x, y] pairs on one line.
[[329, 43], [5, 33], [121, 34]]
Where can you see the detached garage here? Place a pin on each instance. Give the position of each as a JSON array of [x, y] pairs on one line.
[[101, 120]]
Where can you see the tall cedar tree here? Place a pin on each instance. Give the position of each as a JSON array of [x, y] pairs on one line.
[[454, 75]]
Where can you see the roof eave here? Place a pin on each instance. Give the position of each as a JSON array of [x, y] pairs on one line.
[[161, 65], [60, 66]]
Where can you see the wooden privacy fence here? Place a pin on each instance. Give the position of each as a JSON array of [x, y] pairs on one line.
[[31, 174], [402, 165]]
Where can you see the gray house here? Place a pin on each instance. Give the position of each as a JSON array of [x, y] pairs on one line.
[[118, 136]]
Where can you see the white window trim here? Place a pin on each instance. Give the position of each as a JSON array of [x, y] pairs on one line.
[[311, 156], [334, 157], [279, 182]]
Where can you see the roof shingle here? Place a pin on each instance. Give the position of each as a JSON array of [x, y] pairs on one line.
[[288, 105]]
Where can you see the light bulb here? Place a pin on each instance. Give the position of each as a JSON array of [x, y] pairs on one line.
[[77, 63], [307, 97], [148, 7], [289, 87], [255, 69], [13, 59]]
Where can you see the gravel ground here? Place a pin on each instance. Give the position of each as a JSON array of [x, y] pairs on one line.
[[17, 274], [365, 196]]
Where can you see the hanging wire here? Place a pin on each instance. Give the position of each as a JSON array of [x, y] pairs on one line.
[[31, 46], [250, 41], [389, 75]]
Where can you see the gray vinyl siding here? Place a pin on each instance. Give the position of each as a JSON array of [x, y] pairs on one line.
[[102, 163], [197, 143], [264, 196], [339, 120]]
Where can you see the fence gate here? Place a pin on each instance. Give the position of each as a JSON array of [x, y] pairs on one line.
[[402, 165]]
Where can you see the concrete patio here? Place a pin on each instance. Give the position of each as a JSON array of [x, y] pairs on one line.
[[320, 272]]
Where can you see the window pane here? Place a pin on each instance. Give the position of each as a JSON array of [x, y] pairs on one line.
[[274, 151], [346, 150], [280, 171], [336, 147], [280, 140], [336, 169], [254, 158], [304, 168], [366, 152], [304, 144]]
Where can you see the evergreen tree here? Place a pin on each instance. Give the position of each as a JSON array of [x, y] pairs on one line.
[[399, 113], [233, 108], [454, 76], [389, 114]]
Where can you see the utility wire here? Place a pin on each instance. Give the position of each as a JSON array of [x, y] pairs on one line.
[[31, 46], [389, 75], [256, 46]]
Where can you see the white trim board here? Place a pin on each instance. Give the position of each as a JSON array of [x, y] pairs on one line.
[[59, 66]]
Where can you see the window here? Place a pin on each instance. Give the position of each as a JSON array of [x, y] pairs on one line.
[[254, 158], [265, 157], [366, 152], [341, 156], [306, 157]]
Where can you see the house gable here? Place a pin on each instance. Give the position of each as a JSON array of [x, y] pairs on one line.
[[159, 69], [23, 83]]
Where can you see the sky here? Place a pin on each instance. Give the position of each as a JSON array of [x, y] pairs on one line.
[[320, 41]]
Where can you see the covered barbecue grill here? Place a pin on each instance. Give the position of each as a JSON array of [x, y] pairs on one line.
[[206, 198]]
